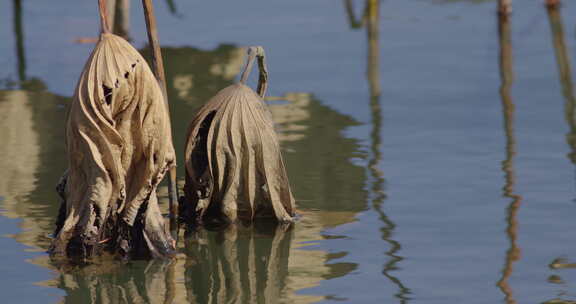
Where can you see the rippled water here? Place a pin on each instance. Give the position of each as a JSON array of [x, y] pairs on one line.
[[430, 149]]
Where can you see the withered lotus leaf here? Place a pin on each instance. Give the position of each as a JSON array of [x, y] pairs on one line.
[[119, 147], [234, 168]]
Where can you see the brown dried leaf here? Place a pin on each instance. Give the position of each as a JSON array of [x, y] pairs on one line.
[[119, 148], [234, 167]]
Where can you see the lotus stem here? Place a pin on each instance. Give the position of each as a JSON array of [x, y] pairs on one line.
[[103, 16], [504, 7], [157, 63], [249, 64], [256, 52], [552, 3], [263, 78], [158, 68]]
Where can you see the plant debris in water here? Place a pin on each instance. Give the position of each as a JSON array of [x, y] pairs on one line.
[[119, 147], [234, 168]]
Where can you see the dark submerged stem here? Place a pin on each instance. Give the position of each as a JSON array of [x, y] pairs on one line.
[[158, 68]]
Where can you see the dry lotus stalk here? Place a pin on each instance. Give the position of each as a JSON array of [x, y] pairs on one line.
[[119, 147], [234, 168]]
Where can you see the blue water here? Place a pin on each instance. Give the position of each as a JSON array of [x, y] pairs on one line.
[[421, 194]]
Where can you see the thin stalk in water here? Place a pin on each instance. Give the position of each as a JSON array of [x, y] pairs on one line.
[[158, 68]]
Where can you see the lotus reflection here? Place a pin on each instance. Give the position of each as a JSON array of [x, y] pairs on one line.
[[239, 264], [31, 152], [256, 264], [20, 149], [32, 149]]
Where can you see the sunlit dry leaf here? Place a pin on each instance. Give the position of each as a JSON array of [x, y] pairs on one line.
[[119, 147], [234, 168]]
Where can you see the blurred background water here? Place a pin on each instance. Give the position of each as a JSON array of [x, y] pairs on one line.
[[431, 151]]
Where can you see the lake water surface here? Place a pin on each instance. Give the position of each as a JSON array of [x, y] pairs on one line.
[[431, 151]]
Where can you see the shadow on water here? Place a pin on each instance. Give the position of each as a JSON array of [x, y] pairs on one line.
[[371, 22], [507, 78]]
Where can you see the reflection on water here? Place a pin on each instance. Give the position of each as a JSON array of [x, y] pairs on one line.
[[507, 78], [195, 75], [19, 35], [371, 21], [137, 282], [20, 148], [323, 178], [565, 78], [192, 77], [31, 153], [239, 265], [30, 149], [255, 264]]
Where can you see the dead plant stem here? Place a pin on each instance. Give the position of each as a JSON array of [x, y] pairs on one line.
[[158, 68]]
